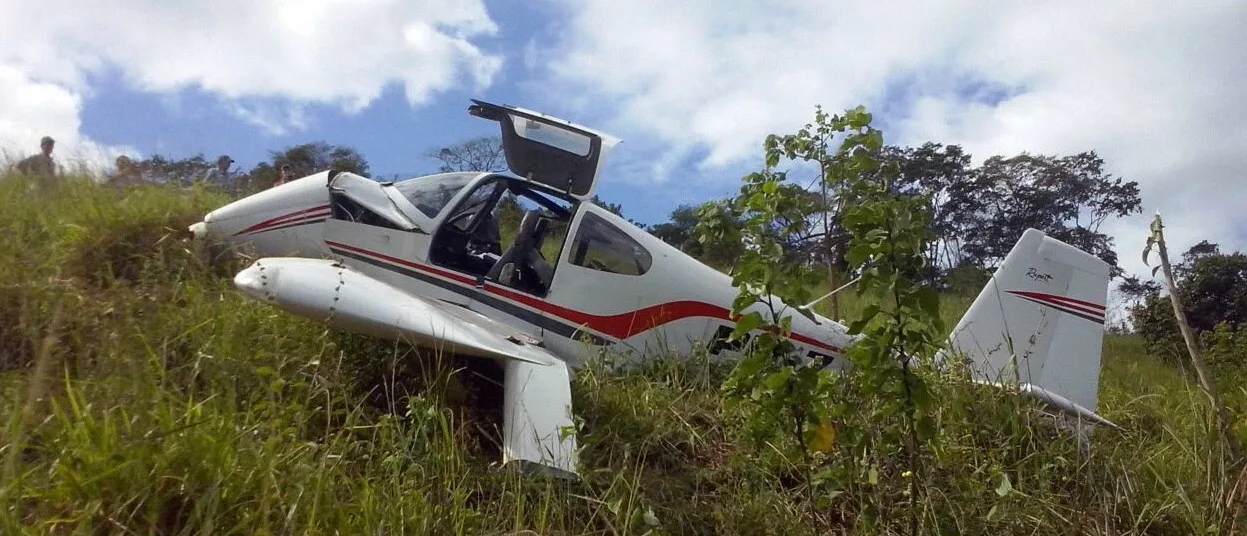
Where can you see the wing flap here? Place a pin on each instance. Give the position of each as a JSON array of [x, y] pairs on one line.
[[539, 429]]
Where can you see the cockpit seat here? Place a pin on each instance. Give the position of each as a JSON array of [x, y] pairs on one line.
[[524, 253]]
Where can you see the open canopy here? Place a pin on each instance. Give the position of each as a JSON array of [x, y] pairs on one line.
[[549, 150]]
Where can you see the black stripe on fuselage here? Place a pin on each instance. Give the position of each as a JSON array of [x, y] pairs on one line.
[[527, 315]]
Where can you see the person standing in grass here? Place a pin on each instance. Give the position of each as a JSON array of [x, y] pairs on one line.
[[284, 175], [220, 174], [127, 174], [40, 166]]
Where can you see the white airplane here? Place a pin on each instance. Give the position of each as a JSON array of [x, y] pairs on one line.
[[424, 260]]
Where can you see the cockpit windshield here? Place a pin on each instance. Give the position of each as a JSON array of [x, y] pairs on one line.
[[431, 194]]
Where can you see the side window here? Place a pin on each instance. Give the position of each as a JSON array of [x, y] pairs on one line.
[[604, 247]]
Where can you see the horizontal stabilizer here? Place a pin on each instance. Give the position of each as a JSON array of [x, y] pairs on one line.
[[324, 290]]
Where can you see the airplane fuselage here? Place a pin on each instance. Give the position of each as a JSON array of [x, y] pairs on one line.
[[667, 304]]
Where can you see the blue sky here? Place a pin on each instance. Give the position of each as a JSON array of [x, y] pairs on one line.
[[390, 133], [691, 87], [393, 135]]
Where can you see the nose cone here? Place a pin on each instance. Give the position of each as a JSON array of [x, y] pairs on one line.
[[199, 230], [209, 227], [257, 281]]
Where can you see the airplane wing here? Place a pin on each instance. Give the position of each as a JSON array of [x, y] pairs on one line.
[[325, 290], [537, 399]]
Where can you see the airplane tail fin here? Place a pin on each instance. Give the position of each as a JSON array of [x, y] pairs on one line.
[[1039, 324]]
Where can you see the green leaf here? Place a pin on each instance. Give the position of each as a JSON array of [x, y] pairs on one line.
[[874, 140], [750, 365], [777, 379], [746, 324]]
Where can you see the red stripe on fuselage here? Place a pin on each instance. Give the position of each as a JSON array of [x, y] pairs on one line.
[[287, 218], [622, 325], [619, 326], [314, 218]]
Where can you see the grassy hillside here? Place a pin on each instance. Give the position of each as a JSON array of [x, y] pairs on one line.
[[143, 395]]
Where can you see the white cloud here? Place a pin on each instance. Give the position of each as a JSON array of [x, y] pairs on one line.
[[274, 120], [30, 110], [1155, 89], [283, 54]]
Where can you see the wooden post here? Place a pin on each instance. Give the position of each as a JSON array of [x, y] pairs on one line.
[[1192, 345]]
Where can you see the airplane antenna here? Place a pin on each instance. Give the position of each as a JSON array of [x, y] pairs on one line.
[[832, 293]]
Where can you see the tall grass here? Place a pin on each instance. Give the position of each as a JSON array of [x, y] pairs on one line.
[[142, 395]]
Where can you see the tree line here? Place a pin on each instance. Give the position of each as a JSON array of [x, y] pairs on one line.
[[1212, 287], [303, 159], [977, 212]]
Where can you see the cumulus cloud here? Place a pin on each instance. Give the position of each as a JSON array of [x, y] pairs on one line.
[[30, 110], [283, 54], [1155, 90]]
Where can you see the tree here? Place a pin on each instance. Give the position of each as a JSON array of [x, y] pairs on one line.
[[1212, 287], [160, 169], [613, 208], [477, 154], [306, 159], [679, 230], [1068, 198], [1193, 255], [979, 213], [1216, 291], [319, 156], [782, 392], [942, 174], [1135, 290]]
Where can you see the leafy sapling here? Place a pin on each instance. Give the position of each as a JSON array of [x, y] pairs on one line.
[[888, 234]]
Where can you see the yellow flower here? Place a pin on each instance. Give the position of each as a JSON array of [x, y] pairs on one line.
[[824, 437]]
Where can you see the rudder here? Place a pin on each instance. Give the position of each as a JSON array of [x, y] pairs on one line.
[[1039, 323]]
